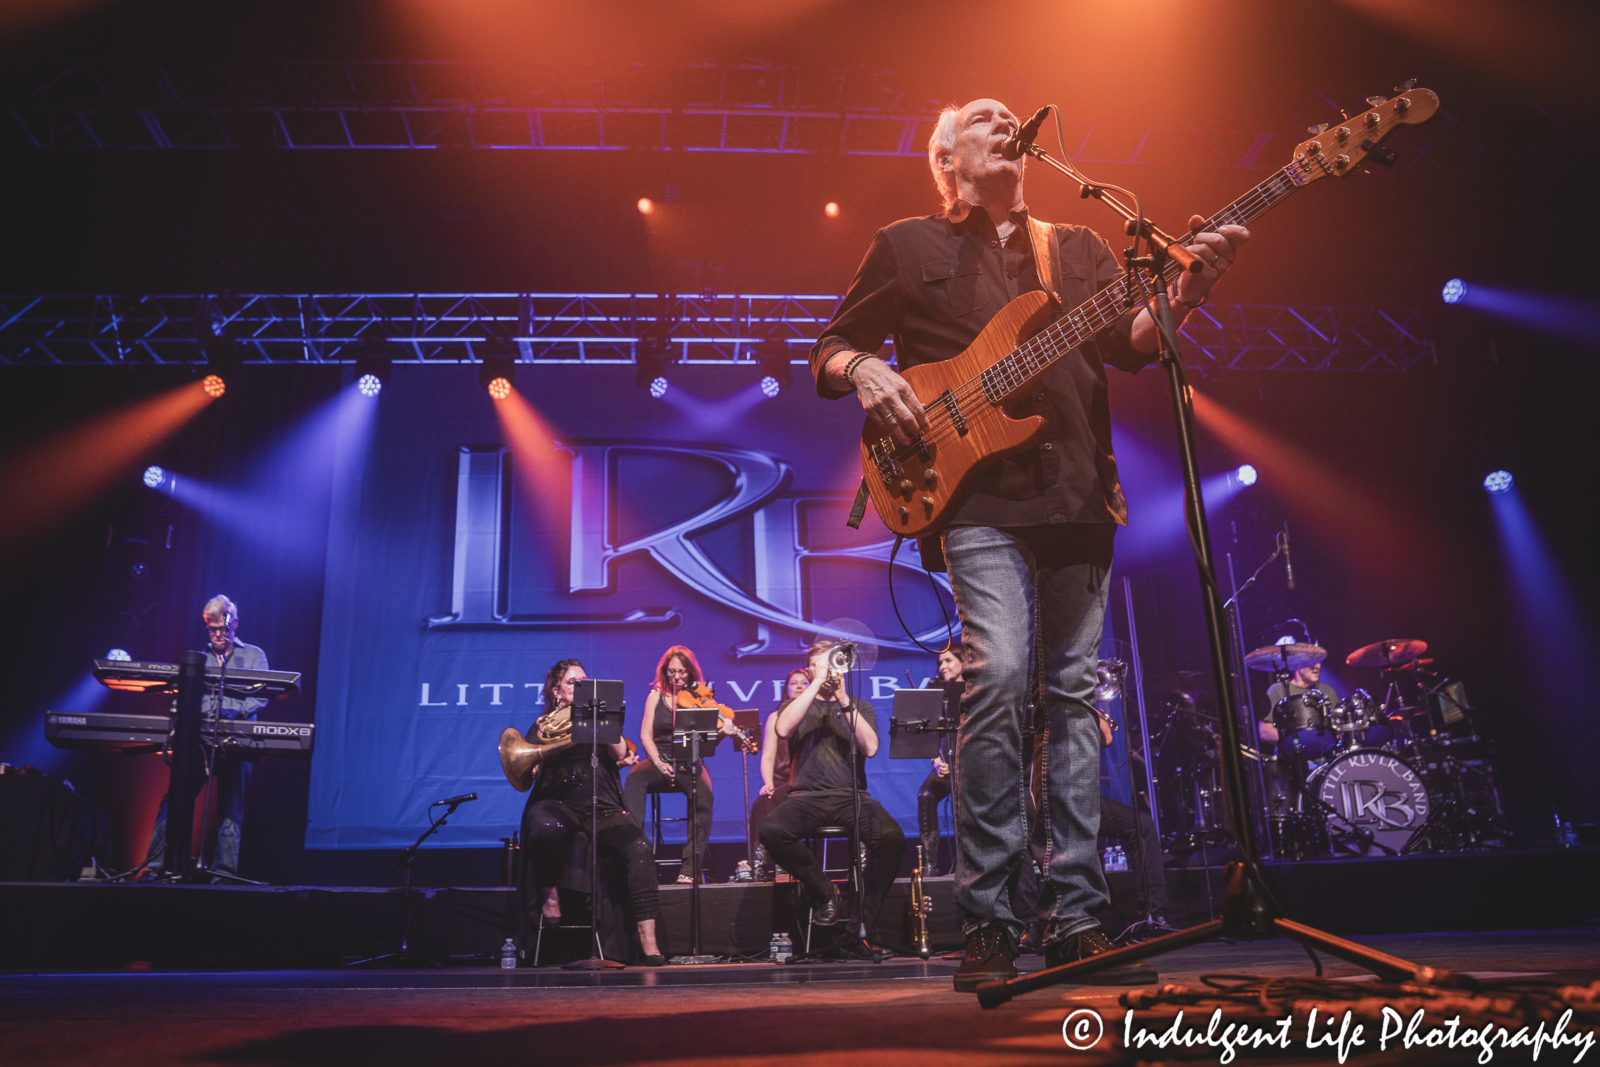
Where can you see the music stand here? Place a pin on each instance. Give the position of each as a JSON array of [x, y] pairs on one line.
[[921, 719], [693, 728], [597, 711]]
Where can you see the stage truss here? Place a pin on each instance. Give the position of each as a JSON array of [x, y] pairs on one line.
[[747, 107], [725, 328]]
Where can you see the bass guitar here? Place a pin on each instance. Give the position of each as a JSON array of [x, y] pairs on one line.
[[916, 488]]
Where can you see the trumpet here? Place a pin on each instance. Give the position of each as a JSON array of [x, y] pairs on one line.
[[520, 758], [921, 907]]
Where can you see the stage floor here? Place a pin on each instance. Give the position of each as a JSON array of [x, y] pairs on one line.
[[898, 1013]]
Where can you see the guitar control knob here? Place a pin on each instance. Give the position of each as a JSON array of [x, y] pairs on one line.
[[930, 477], [905, 486], [927, 503], [905, 516]]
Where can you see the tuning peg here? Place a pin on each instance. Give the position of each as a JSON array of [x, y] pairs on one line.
[[1318, 128], [1407, 86]]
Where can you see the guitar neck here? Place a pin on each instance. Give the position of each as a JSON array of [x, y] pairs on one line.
[[1015, 371]]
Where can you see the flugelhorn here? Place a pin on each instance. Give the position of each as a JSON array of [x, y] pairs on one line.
[[520, 758]]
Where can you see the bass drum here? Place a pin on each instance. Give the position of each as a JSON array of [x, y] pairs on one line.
[[1374, 791]]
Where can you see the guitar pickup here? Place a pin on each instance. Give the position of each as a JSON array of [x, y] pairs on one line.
[[958, 420]]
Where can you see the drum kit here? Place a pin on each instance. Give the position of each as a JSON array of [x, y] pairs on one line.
[[1362, 776]]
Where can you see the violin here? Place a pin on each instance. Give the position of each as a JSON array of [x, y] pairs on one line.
[[699, 695]]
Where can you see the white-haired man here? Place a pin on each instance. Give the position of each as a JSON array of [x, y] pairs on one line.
[[232, 775], [1029, 546]]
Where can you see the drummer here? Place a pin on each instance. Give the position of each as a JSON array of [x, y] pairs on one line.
[[1301, 682]]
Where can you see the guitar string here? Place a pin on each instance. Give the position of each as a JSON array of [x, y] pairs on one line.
[[1052, 342]]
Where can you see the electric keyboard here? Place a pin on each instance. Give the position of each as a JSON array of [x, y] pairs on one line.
[[247, 738], [140, 676]]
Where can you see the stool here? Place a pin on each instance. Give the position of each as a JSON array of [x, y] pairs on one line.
[[819, 839], [656, 819]]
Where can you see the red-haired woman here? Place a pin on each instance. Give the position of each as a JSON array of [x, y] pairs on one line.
[[679, 683]]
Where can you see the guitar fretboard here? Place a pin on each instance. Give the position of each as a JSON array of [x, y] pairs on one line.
[[1032, 357]]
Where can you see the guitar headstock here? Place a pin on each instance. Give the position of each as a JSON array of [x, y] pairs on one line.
[[1334, 151]]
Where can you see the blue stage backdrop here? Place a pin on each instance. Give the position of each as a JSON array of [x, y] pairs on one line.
[[467, 553]]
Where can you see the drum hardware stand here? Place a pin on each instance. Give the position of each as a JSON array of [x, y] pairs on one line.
[[1254, 907], [401, 954]]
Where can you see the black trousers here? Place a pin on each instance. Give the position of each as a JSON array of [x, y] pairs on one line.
[[932, 793], [1143, 846], [549, 827], [786, 829], [645, 778]]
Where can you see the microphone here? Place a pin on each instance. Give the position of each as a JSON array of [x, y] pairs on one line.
[[1012, 147], [453, 801], [1288, 564]]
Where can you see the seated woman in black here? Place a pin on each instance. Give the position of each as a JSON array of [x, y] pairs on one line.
[[561, 803]]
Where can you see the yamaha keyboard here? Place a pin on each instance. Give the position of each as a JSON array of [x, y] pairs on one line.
[[139, 676], [246, 738]]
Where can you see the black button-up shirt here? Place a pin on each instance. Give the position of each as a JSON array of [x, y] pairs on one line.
[[933, 283]]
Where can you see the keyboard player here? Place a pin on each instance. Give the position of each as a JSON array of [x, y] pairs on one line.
[[232, 775]]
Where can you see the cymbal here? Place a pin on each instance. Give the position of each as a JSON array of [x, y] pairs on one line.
[[1285, 657], [1192, 684], [1387, 653]]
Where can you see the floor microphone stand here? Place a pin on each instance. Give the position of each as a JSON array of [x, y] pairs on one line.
[[693, 737], [401, 953], [1253, 908]]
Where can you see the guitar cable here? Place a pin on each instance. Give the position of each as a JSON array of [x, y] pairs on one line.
[[950, 633]]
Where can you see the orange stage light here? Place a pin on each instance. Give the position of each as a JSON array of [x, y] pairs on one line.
[[831, 209], [646, 205], [46, 483], [499, 388], [213, 385]]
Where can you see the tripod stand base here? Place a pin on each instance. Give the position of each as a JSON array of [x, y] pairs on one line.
[[1247, 916], [593, 963], [401, 958]]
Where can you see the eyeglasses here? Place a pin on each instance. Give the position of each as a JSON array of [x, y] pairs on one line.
[[674, 672], [218, 629]]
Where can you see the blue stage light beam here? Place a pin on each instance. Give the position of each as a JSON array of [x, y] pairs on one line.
[[1499, 482], [1246, 475], [1565, 317], [154, 476]]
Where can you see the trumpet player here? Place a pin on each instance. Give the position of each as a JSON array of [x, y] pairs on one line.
[[563, 801], [820, 724]]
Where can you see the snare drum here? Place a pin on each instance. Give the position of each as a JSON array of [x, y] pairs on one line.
[[1302, 722]]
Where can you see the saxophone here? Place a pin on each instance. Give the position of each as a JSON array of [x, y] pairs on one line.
[[921, 906], [520, 758]]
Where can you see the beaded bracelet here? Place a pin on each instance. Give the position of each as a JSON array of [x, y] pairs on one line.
[[856, 361]]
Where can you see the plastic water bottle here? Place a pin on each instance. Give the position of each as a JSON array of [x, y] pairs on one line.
[[1122, 858], [508, 956], [760, 872], [1108, 861], [785, 948], [773, 946]]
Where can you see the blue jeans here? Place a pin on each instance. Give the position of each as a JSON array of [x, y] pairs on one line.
[[233, 778], [1032, 599]]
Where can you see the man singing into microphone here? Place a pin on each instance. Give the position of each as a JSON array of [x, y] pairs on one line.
[[819, 724], [1029, 543]]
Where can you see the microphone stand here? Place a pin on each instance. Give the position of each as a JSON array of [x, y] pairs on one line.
[[401, 953], [1254, 907]]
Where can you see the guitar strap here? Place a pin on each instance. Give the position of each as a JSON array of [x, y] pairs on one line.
[[1046, 258]]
